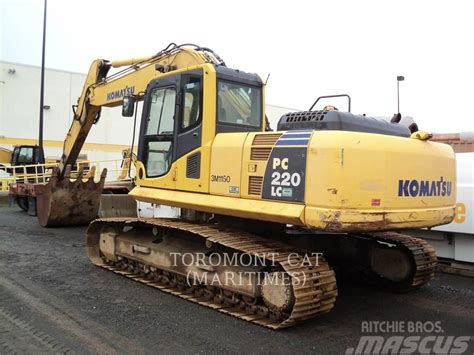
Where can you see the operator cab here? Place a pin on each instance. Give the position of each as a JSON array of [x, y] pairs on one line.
[[175, 105], [27, 155]]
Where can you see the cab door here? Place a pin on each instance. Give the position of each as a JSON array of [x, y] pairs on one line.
[[171, 132], [157, 147]]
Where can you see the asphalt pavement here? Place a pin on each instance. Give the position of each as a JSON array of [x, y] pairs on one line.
[[52, 299]]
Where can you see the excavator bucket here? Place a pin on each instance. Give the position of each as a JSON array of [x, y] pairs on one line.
[[68, 202]]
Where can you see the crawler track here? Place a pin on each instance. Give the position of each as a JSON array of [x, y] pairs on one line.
[[422, 254], [404, 263], [313, 284]]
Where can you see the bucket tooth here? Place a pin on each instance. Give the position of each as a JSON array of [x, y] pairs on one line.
[[91, 172], [67, 172], [80, 173], [62, 202]]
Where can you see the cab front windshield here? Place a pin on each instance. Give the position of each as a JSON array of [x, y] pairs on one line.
[[239, 104]]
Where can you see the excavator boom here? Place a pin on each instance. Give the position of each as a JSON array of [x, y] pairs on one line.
[[100, 90], [66, 202]]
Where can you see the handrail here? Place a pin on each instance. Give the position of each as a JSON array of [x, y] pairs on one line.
[[40, 173]]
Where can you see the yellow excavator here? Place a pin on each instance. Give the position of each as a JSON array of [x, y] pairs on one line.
[[258, 208]]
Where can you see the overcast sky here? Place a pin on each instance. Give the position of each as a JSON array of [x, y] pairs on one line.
[[311, 48]]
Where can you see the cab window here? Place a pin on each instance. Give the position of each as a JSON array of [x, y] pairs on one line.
[[159, 158], [192, 103], [26, 155], [161, 115], [239, 104], [159, 131]]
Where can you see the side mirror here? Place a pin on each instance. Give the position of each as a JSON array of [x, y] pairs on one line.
[[128, 106]]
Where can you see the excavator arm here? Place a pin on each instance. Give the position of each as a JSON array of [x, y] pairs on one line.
[[100, 90], [85, 115], [72, 202]]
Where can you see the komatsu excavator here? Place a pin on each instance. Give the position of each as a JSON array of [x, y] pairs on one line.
[[257, 206]]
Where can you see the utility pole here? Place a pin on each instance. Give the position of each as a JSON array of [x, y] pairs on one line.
[[399, 78], [40, 138]]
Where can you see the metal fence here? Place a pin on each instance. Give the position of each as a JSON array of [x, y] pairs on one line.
[[117, 169]]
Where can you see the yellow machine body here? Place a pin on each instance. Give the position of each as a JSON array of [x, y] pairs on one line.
[[347, 181], [352, 181]]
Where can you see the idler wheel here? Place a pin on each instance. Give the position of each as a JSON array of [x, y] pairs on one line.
[[277, 291]]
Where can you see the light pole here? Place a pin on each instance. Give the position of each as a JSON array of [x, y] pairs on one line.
[[399, 78], [40, 136]]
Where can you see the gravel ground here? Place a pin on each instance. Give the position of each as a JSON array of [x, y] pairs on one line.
[[52, 299]]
